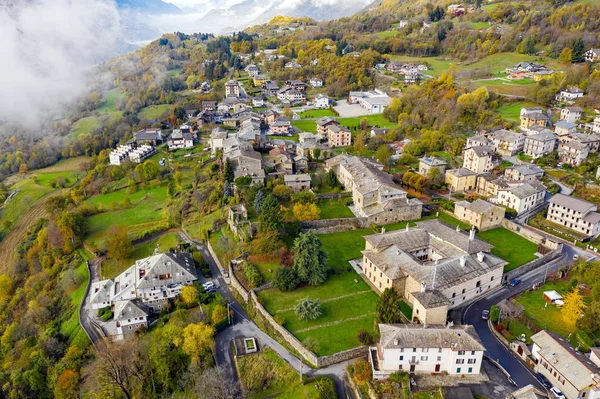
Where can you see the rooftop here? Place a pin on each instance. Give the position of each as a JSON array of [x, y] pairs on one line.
[[461, 172], [459, 337], [478, 206], [573, 203]]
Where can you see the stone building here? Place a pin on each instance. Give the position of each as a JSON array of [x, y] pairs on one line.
[[426, 164], [461, 179], [479, 159], [479, 213]]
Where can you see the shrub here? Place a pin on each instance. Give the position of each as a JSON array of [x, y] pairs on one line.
[[286, 257], [253, 275], [365, 338], [362, 372], [219, 314], [102, 311], [326, 388], [283, 193], [279, 319], [573, 283], [308, 309], [107, 316], [500, 327], [285, 279]]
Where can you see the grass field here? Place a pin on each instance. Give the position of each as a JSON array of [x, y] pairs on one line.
[[387, 33], [111, 268], [509, 246], [305, 126], [316, 113], [511, 111], [154, 112], [438, 65], [265, 374], [84, 125], [377, 120], [110, 99], [480, 25], [332, 208]]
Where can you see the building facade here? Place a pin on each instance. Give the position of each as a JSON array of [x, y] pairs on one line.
[[461, 179], [575, 214], [479, 213]]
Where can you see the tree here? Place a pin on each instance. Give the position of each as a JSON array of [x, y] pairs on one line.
[[578, 54], [258, 201], [317, 153], [310, 261], [362, 372], [285, 279], [306, 211], [331, 179], [23, 168], [189, 294], [364, 124], [119, 365], [214, 383], [119, 245], [304, 197], [365, 338], [387, 310], [67, 385], [308, 309], [151, 170], [383, 154], [270, 218], [243, 181], [227, 189], [282, 192], [573, 308], [566, 55], [266, 243], [219, 314], [494, 313], [198, 341], [228, 171]]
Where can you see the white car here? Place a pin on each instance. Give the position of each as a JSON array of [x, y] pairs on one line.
[[575, 257], [556, 393]]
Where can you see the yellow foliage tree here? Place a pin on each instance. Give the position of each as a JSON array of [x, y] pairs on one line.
[[189, 294], [306, 211], [219, 314], [197, 340], [573, 307]]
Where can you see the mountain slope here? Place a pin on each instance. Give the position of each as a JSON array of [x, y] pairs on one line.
[[149, 7]]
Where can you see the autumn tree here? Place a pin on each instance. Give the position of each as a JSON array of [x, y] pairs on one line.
[[119, 245], [270, 218], [387, 310], [67, 385], [23, 168], [308, 211], [198, 341], [310, 261], [573, 308], [189, 294], [383, 154], [265, 243], [151, 170], [214, 383], [362, 372], [219, 314]]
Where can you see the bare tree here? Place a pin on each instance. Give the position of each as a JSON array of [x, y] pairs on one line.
[[213, 383]]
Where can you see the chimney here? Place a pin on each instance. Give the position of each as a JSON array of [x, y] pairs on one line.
[[463, 260], [423, 287], [480, 256], [395, 342], [472, 233]]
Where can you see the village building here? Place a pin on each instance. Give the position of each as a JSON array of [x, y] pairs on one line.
[[461, 179], [574, 214], [232, 89], [453, 350], [374, 101], [506, 142], [129, 317], [338, 136], [591, 140], [321, 101], [489, 184], [426, 164], [564, 128], [375, 196], [477, 141], [572, 152], [280, 127], [270, 88], [316, 82], [592, 55], [246, 162], [297, 182], [260, 79], [533, 116], [180, 139], [278, 162], [290, 94], [569, 95], [379, 132], [540, 144], [252, 70], [479, 159], [527, 392], [324, 123], [479, 213], [150, 136], [154, 281], [566, 368], [524, 173], [258, 101], [296, 85], [132, 153], [522, 197], [433, 256], [209, 105], [571, 114]]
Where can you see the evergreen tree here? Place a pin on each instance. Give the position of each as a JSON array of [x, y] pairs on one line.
[[227, 190], [387, 309], [578, 54], [331, 179], [258, 201], [310, 261], [228, 171], [270, 219]]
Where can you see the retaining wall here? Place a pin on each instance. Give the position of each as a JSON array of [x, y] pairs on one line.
[[523, 231], [327, 226], [534, 264], [235, 283]]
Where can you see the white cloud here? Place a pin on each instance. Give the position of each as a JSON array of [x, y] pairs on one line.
[[47, 47]]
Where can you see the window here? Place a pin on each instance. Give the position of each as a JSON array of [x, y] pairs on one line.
[[401, 350], [401, 358], [471, 361], [424, 358], [414, 349], [460, 361], [425, 350], [458, 369], [439, 350], [470, 369], [439, 358], [463, 291], [461, 352]]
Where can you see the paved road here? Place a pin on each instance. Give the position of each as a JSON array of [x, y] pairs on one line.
[[245, 327], [519, 373], [93, 330]]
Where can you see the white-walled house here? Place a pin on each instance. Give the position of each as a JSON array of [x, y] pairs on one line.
[[523, 197], [455, 350], [321, 101]]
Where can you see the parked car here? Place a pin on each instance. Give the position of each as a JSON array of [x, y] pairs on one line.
[[556, 393], [208, 284], [515, 281], [485, 314], [543, 380], [575, 256]]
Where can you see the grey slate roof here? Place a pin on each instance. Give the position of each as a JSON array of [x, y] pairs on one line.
[[573, 203], [460, 172], [483, 151], [130, 310], [459, 337], [526, 190], [565, 125], [431, 299], [478, 206]]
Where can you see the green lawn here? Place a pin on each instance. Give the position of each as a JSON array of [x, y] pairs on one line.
[[174, 72], [111, 268], [511, 111], [332, 208], [305, 126], [509, 246], [316, 113], [377, 120], [110, 99], [265, 374], [480, 25], [387, 33], [438, 65], [154, 112], [84, 125]]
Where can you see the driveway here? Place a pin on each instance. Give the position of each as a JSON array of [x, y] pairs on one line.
[[519, 373], [86, 313], [244, 326], [349, 110]]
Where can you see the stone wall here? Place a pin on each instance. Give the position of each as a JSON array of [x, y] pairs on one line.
[[335, 195], [327, 226], [523, 231], [235, 283], [534, 264]]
